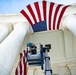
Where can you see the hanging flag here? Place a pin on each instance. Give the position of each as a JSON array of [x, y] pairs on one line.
[[44, 15], [22, 66]]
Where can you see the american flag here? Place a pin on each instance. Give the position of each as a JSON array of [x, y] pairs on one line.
[[44, 15], [22, 66]]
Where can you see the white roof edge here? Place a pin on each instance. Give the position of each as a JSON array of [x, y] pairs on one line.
[[12, 18], [17, 14]]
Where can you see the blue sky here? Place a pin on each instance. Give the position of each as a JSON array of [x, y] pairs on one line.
[[14, 6]]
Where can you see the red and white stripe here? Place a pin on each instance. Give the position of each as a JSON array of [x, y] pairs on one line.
[[44, 10], [22, 66]]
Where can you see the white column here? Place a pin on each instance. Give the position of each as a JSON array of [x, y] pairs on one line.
[[5, 29], [70, 23], [10, 47], [69, 19]]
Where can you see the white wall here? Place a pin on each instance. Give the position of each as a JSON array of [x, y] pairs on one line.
[[55, 38]]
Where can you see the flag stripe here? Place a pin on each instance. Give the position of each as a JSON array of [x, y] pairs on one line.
[[25, 64], [53, 12], [16, 72], [41, 9], [61, 14], [32, 13], [50, 14], [38, 10], [27, 17], [44, 9], [47, 17], [21, 64], [55, 15]]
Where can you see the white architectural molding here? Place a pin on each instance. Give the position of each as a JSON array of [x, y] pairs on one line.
[[5, 29], [11, 18]]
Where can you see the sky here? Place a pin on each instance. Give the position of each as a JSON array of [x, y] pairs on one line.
[[14, 6]]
